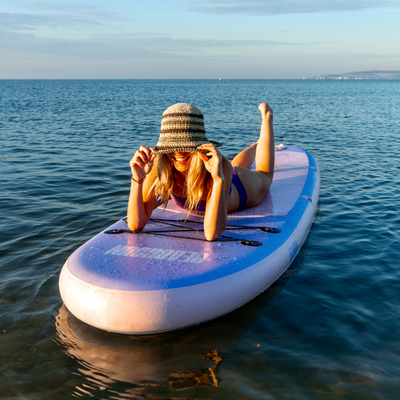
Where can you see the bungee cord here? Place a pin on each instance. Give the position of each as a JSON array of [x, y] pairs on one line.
[[175, 224]]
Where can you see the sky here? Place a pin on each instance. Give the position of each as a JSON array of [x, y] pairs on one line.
[[196, 39]]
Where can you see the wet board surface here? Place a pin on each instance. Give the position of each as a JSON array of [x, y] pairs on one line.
[[156, 261]]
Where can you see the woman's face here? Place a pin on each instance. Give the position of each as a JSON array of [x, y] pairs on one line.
[[180, 160]]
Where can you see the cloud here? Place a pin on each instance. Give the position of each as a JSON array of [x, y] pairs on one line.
[[274, 7], [118, 47], [36, 15], [69, 7], [19, 21], [89, 11]]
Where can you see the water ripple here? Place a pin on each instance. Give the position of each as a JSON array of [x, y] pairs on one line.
[[327, 329]]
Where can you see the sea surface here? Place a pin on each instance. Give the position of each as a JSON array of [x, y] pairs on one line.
[[329, 328]]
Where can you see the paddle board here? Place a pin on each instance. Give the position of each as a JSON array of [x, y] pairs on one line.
[[169, 277]]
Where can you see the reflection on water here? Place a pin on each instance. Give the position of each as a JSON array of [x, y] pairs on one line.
[[137, 360], [178, 360], [201, 377]]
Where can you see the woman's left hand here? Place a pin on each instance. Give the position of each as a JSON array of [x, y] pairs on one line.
[[212, 159]]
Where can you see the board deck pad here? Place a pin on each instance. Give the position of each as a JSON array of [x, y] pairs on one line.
[[291, 170]]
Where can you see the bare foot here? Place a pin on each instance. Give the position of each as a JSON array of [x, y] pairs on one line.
[[265, 109]]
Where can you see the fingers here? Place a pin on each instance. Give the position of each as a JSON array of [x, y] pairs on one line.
[[142, 162], [208, 147], [142, 157], [144, 153], [203, 156], [207, 151], [152, 155], [212, 159]]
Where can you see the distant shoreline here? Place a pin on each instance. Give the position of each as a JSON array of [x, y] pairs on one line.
[[376, 74], [371, 75]]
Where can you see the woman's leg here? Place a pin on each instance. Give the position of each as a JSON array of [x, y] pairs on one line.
[[258, 182], [265, 154], [246, 157], [263, 149]]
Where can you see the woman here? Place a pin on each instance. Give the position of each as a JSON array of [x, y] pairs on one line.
[[187, 167]]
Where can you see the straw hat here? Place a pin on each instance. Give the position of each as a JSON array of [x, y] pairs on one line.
[[182, 129]]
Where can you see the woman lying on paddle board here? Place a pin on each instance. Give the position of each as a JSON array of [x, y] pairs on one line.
[[188, 168]]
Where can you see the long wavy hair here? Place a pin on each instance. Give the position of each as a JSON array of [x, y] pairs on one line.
[[162, 178]]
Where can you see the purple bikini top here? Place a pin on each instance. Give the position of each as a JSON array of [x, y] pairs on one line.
[[180, 202]]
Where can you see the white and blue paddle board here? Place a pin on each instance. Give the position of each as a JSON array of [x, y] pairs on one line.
[[169, 277]]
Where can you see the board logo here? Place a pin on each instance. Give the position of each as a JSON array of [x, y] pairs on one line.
[[158, 254]]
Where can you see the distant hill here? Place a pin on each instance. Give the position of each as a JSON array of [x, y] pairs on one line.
[[377, 74]]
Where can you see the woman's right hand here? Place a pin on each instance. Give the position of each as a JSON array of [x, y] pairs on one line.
[[142, 162]]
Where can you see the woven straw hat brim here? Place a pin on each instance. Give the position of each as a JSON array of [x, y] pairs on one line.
[[182, 130], [182, 149]]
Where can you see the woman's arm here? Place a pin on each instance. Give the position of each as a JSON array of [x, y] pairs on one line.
[[215, 218], [141, 198]]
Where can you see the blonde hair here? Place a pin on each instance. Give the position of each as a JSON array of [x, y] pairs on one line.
[[162, 178]]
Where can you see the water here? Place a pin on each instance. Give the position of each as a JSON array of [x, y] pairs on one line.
[[327, 329]]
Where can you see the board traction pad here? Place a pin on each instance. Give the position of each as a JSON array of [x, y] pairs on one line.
[[291, 169]]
